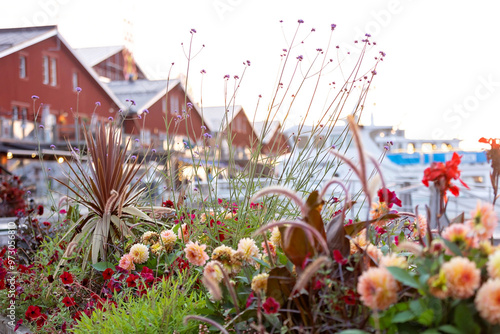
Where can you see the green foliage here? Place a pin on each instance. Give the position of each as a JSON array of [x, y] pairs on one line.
[[160, 310]]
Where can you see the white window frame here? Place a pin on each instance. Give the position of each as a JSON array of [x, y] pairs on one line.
[[22, 67], [45, 64], [53, 71]]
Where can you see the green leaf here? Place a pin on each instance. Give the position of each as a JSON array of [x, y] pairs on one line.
[[273, 320], [426, 317], [101, 266], [453, 247], [403, 317], [404, 277], [464, 320], [449, 329], [431, 331], [353, 331], [261, 262]]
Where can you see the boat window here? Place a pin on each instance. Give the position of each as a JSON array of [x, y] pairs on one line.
[[410, 148]]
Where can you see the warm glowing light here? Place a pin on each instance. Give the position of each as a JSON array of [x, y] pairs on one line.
[[60, 160], [410, 149], [382, 134], [33, 155], [9, 155]]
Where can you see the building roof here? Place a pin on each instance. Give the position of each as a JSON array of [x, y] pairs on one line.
[[144, 92], [93, 56], [215, 117], [271, 128], [15, 39]]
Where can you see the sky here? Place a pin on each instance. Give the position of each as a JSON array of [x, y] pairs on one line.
[[440, 78]]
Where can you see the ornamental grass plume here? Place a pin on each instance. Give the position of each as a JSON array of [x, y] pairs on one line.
[[195, 253], [377, 288], [249, 249], [484, 221], [462, 277], [139, 253], [127, 262], [488, 301], [493, 265], [276, 237]]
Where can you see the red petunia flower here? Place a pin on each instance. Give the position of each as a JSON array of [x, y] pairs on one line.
[[131, 280], [68, 301], [66, 278], [40, 322], [168, 204], [337, 256], [39, 210], [46, 224], [349, 298], [271, 306], [32, 313], [108, 273], [442, 174], [18, 323]]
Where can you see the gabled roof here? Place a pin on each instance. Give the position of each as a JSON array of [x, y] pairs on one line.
[[144, 92], [271, 128], [93, 56], [17, 39], [215, 117]]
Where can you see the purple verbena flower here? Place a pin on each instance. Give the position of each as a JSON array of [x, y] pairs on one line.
[[98, 103], [78, 89], [35, 97], [300, 21], [333, 26], [52, 146], [110, 118]]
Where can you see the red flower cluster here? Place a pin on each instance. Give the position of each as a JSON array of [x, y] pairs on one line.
[[385, 195], [442, 174]]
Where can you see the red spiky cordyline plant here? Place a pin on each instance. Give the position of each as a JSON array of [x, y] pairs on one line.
[[105, 185]]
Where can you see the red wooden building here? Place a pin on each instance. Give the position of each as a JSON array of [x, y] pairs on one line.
[[38, 61], [274, 141], [170, 112], [233, 119], [112, 62]]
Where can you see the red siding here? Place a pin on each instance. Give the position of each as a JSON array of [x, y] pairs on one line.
[[155, 120], [61, 98], [113, 67]]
